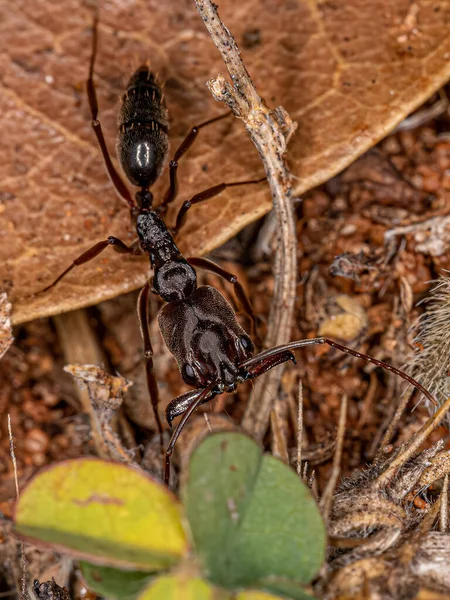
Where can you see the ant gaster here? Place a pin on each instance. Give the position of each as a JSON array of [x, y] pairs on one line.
[[198, 325]]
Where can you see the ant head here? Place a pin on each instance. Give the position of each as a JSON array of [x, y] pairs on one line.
[[204, 336], [215, 355]]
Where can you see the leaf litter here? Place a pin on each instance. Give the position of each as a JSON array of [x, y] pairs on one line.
[[400, 186]]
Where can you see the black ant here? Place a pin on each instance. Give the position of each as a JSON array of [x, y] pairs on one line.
[[198, 325]]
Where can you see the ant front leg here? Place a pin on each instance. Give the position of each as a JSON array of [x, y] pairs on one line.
[[244, 301], [207, 195], [172, 190], [152, 384], [116, 180], [262, 362], [97, 249], [194, 404]]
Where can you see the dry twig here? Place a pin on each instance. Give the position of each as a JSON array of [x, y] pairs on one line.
[[106, 395], [327, 496], [413, 445], [443, 516], [23, 591], [269, 131], [80, 346]]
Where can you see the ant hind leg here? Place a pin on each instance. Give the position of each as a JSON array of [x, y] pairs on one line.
[[152, 384]]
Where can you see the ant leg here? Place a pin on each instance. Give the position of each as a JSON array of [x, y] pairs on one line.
[[179, 428], [152, 384], [94, 251], [244, 301], [259, 361], [116, 180], [180, 404], [206, 195], [172, 190]]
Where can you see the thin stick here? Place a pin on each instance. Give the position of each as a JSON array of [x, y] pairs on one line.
[[327, 497], [413, 445], [23, 592], [269, 130], [300, 429], [395, 419], [208, 422], [443, 515]]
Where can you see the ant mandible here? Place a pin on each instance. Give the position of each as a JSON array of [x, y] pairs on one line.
[[198, 324]]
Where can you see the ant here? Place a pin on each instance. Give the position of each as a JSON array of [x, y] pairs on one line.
[[198, 324]]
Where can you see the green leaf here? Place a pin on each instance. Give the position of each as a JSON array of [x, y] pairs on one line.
[[253, 522], [258, 595], [182, 586], [106, 513], [113, 583]]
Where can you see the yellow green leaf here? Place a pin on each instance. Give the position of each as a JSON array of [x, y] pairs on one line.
[[182, 586], [256, 595], [107, 513], [259, 595]]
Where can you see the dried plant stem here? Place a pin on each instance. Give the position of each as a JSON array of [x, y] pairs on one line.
[[409, 549], [300, 429], [269, 130], [396, 418], [413, 445], [81, 346], [23, 591], [327, 497], [279, 443], [443, 516], [106, 394]]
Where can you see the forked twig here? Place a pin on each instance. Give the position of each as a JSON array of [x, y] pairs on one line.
[[269, 130]]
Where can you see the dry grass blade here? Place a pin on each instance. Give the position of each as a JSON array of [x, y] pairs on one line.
[[327, 496], [413, 445], [443, 516], [23, 591]]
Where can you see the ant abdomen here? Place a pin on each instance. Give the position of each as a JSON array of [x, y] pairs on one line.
[[142, 141]]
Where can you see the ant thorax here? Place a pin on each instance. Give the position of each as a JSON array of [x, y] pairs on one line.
[[174, 278]]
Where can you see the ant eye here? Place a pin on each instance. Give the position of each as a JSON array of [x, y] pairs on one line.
[[246, 343], [189, 371], [188, 374]]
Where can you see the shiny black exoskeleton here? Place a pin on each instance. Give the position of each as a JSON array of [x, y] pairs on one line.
[[143, 142]]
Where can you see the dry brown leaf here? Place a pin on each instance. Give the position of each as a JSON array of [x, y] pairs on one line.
[[348, 71]]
